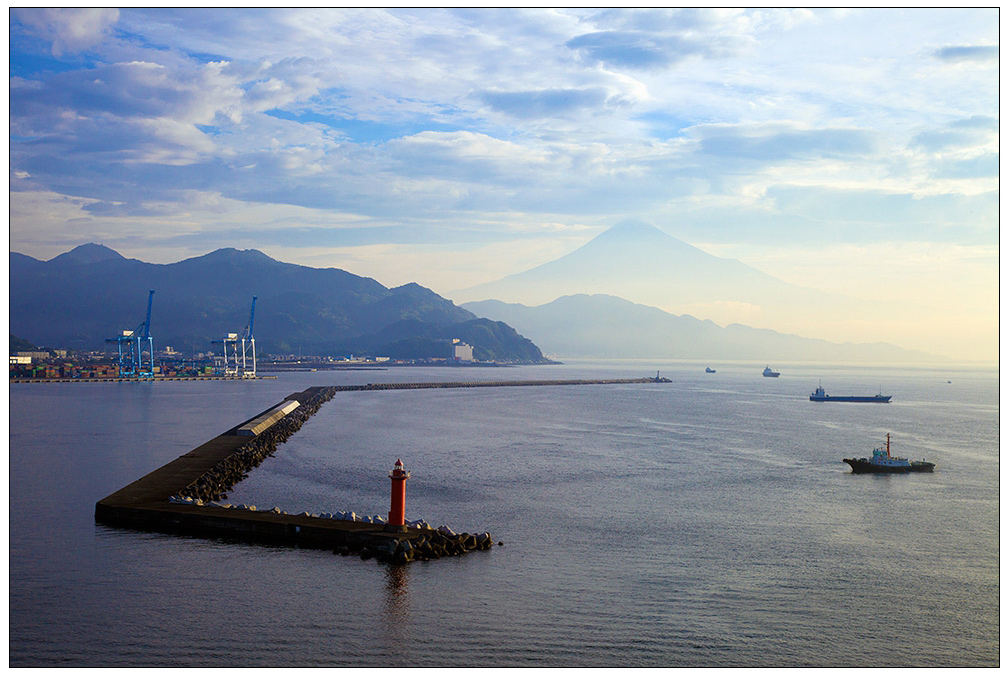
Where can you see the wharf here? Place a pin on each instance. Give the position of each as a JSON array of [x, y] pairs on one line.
[[115, 379], [150, 503]]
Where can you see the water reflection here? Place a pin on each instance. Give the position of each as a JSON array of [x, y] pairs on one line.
[[396, 637], [396, 609]]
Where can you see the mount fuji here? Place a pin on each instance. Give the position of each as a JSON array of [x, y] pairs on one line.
[[638, 262]]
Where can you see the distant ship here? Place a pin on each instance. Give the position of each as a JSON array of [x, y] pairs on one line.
[[710, 370], [819, 395], [770, 373], [883, 462]]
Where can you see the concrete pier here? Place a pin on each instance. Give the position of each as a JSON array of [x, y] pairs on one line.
[[147, 504]]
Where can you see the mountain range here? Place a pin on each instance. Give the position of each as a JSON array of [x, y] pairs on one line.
[[606, 326], [78, 299], [639, 262]]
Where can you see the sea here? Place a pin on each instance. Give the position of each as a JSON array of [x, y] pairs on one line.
[[705, 522]]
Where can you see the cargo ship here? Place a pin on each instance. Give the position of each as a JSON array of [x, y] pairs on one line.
[[819, 395], [883, 462], [770, 373]]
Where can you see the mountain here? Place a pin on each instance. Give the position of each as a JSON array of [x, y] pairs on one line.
[[643, 264], [80, 298], [88, 253], [21, 345], [606, 326]]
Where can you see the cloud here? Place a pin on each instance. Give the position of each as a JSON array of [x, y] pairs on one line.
[[289, 81], [126, 91], [866, 214], [986, 165], [644, 39], [146, 112], [545, 102], [976, 131], [195, 93], [464, 153], [769, 146], [963, 150], [125, 112], [969, 53], [683, 19], [983, 122], [637, 49], [445, 115], [69, 29]]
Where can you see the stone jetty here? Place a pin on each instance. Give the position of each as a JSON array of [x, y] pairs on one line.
[[185, 496]]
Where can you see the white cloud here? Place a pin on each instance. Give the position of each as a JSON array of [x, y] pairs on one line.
[[68, 29]]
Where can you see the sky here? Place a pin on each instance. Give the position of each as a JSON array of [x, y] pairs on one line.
[[835, 149]]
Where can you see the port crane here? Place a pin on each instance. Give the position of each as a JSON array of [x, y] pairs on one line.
[[131, 346], [248, 344], [236, 363]]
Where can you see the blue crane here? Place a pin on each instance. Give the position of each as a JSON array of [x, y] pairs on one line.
[[131, 347]]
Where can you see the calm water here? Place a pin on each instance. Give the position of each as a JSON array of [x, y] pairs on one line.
[[707, 522]]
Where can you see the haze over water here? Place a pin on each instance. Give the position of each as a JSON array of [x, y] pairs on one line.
[[705, 522]]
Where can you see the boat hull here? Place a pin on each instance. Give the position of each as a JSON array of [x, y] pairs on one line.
[[865, 466], [876, 399]]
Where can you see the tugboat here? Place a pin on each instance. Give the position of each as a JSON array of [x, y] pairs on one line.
[[819, 395], [883, 462], [770, 373]]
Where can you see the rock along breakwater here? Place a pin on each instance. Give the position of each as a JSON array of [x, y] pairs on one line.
[[183, 496]]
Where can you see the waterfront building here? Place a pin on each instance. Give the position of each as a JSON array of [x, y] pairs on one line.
[[462, 351]]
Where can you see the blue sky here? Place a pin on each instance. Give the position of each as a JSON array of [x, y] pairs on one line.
[[453, 147]]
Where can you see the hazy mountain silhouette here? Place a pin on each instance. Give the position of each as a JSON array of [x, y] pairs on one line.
[[80, 298], [606, 326], [637, 261]]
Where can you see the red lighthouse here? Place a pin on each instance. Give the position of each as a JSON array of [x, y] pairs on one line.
[[397, 514]]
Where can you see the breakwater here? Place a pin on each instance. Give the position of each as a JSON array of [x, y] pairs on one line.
[[501, 383], [183, 496]]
